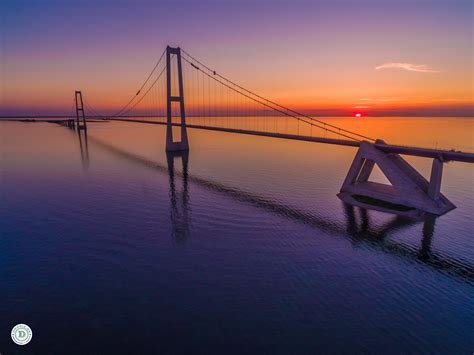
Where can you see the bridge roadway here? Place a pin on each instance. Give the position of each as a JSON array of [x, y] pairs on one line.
[[443, 155]]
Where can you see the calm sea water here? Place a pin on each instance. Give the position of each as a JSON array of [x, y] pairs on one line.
[[109, 246]]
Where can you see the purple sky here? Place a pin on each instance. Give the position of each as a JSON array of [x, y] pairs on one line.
[[390, 57]]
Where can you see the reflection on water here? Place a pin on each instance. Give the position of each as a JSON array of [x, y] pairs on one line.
[[365, 230], [180, 213], [428, 231], [84, 147], [237, 242]]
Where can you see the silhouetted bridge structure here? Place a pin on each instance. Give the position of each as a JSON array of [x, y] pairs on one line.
[[218, 104]]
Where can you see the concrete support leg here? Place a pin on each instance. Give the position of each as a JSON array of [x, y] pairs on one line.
[[366, 170], [434, 188], [354, 170]]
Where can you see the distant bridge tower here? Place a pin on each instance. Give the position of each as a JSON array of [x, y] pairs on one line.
[[80, 111], [172, 146]]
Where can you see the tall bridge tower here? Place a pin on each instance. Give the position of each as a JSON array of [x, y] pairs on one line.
[[80, 111], [172, 146]]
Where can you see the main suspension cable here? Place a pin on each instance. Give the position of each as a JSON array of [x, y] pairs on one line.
[[272, 102], [91, 109], [141, 87], [273, 108], [146, 92]]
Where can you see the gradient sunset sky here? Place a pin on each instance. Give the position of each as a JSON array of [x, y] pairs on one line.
[[412, 57]]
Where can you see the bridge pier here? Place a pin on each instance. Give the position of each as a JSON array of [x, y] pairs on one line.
[[409, 193], [183, 145]]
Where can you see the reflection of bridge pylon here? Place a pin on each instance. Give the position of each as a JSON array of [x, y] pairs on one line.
[[179, 209], [84, 147]]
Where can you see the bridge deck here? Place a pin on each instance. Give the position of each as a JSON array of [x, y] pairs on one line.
[[445, 155]]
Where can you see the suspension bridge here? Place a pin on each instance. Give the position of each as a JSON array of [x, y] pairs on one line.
[[216, 103]]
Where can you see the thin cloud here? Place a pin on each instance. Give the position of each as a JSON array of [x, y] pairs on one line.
[[390, 99], [407, 66]]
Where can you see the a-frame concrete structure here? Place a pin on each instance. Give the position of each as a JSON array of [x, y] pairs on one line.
[[409, 188]]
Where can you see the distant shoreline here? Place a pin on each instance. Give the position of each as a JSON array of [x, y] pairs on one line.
[[58, 117]]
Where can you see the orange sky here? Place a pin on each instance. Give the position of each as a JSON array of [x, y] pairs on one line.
[[394, 57]]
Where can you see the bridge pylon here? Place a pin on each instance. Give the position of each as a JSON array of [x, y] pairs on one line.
[[183, 145], [80, 111]]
